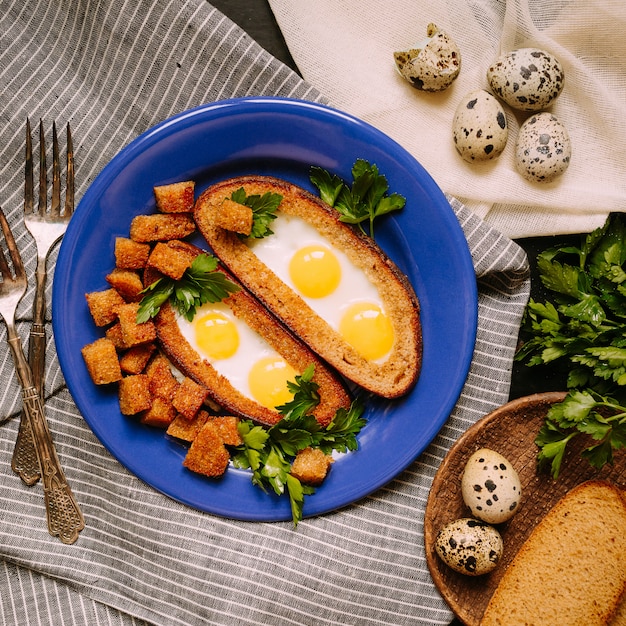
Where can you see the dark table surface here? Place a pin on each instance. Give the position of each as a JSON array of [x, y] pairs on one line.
[[257, 19]]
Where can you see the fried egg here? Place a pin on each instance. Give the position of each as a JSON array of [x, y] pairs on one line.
[[326, 279], [239, 354]]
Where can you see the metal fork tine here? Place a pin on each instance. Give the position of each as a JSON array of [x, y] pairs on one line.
[[56, 175], [69, 182], [16, 258], [43, 170], [28, 172]]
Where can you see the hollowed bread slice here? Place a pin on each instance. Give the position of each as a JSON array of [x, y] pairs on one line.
[[391, 378]]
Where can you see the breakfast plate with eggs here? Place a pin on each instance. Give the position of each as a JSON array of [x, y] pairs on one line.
[[281, 138]]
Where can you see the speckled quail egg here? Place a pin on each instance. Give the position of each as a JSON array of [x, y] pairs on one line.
[[469, 546], [527, 79], [543, 148], [431, 65], [479, 127], [491, 487]]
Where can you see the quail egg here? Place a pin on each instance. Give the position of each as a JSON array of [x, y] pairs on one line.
[[527, 79], [479, 127], [469, 546], [543, 148], [431, 65], [491, 487]]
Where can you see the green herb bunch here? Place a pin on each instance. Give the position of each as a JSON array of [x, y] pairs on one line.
[[363, 201], [199, 284], [269, 452], [584, 328]]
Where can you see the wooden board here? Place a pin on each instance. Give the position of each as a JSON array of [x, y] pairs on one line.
[[511, 431]]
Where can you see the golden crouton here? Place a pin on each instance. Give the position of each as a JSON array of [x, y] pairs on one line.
[[161, 227], [311, 466], [114, 333], [134, 360], [185, 429], [170, 261], [175, 198], [129, 254], [102, 305], [227, 427], [127, 283], [189, 397], [162, 381], [133, 333], [234, 217], [207, 454], [101, 360], [160, 414], [134, 394]]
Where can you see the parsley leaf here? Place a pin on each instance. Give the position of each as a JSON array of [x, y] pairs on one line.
[[199, 284], [584, 328], [263, 210], [269, 452], [364, 201]]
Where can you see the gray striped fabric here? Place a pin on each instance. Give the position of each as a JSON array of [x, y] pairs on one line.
[[113, 68]]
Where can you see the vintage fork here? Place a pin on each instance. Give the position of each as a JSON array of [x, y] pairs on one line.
[[46, 227], [65, 519]]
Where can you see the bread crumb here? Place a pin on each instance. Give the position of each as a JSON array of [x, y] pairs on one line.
[[311, 466], [175, 198]]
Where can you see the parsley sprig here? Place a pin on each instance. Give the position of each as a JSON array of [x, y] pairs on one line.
[[263, 210], [269, 452], [199, 284], [586, 412], [364, 201], [583, 327]]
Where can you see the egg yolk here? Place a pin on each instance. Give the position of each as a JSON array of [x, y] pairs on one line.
[[216, 335], [268, 381], [315, 271], [367, 329]]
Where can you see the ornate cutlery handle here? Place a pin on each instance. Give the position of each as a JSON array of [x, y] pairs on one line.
[[24, 461], [65, 519]]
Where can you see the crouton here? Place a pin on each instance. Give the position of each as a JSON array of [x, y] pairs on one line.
[[175, 198], [170, 260], [162, 381], [102, 305], [234, 217], [311, 466], [127, 283], [114, 333], [134, 394], [185, 429], [130, 255], [135, 359], [133, 333], [160, 414], [207, 454], [227, 427], [101, 361], [189, 397], [161, 227]]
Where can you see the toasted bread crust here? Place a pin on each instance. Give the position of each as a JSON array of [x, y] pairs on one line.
[[390, 379], [332, 392]]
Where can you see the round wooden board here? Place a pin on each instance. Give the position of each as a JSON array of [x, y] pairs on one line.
[[511, 431]]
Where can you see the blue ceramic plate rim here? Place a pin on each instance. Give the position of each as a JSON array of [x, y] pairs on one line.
[[282, 137]]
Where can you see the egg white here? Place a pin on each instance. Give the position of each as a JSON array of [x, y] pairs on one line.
[[292, 233], [252, 347]]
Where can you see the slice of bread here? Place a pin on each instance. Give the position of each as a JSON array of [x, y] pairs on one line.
[[572, 568], [391, 377], [332, 391]]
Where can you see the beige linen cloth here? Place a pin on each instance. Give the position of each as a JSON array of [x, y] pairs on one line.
[[345, 48]]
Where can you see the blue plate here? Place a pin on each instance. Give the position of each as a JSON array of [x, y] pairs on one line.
[[283, 138]]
